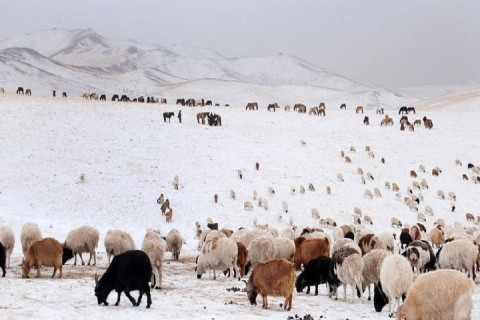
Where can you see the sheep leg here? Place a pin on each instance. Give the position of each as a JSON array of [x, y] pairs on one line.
[[149, 298], [129, 296], [214, 275], [369, 293], [83, 263], [140, 298], [308, 290], [159, 272], [316, 289], [75, 259], [344, 292]]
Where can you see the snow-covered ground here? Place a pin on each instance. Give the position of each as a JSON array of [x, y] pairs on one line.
[[129, 156]]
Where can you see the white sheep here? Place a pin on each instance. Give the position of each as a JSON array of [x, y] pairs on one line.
[[368, 194], [265, 203], [315, 214], [218, 254], [345, 242], [424, 184], [396, 276], [7, 238], [154, 248], [285, 206], [386, 241], [372, 262], [30, 232], [260, 249], [350, 273], [452, 196], [357, 211], [370, 176], [174, 243], [116, 242], [340, 177], [247, 236], [395, 187], [287, 233], [442, 294], [416, 185], [284, 248], [208, 235], [362, 180], [271, 191], [441, 195], [459, 255], [377, 192], [83, 239], [387, 185], [429, 210], [248, 206], [422, 168]]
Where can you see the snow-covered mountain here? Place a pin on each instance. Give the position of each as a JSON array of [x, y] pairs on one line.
[[82, 60]]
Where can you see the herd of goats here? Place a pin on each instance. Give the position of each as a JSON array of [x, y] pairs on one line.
[[432, 271]]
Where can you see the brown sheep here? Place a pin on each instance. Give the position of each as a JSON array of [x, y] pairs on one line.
[[257, 166], [346, 228], [306, 250], [215, 198], [329, 190], [413, 174], [436, 237], [465, 177], [470, 217], [274, 277], [359, 109], [415, 232], [348, 160], [46, 252], [435, 172], [367, 243]]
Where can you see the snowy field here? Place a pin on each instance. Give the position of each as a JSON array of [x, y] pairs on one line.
[[129, 156]]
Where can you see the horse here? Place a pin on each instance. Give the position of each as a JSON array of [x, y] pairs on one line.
[[321, 112], [252, 106], [411, 109], [103, 97], [20, 90], [427, 123], [94, 96], [272, 106], [64, 94], [417, 122], [2, 90], [124, 98], [313, 110], [343, 106], [359, 109], [403, 109], [114, 97], [141, 99], [321, 105], [300, 108], [179, 101], [167, 115], [379, 110], [208, 103], [201, 116], [190, 102], [164, 100], [28, 92], [54, 93], [214, 120], [366, 121]]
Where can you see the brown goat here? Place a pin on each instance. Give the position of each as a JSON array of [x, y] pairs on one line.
[[165, 206], [306, 250], [46, 252], [275, 278]]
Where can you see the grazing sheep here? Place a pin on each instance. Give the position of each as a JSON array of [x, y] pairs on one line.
[[413, 174], [459, 255], [367, 219], [368, 194], [387, 185], [83, 239], [302, 189], [443, 294], [377, 192], [360, 171], [422, 168], [265, 203], [429, 210], [362, 179], [395, 187], [347, 159], [30, 232], [440, 194], [248, 206], [372, 262], [416, 185], [160, 199], [421, 217], [470, 217], [452, 196], [276, 278], [340, 177], [259, 250], [7, 238], [155, 250], [396, 277], [436, 237], [314, 273], [370, 176], [284, 248], [465, 177], [174, 242], [315, 214], [421, 256], [424, 184], [271, 191], [352, 149], [458, 162], [116, 242], [217, 254], [46, 252], [395, 222], [232, 194], [371, 154], [440, 223], [240, 174], [357, 211]]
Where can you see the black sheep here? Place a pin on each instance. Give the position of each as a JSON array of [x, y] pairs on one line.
[[405, 238], [3, 258], [315, 273], [349, 235], [128, 271]]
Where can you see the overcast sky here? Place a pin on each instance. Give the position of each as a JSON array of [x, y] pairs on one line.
[[391, 43]]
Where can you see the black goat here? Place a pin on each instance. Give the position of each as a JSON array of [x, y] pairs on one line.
[[315, 273], [128, 271]]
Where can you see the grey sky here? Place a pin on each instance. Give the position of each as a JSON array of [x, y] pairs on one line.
[[392, 43]]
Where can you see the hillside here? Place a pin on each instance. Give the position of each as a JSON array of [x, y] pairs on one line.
[[82, 60]]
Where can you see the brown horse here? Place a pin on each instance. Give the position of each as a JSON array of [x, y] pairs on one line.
[[359, 109], [427, 123], [201, 116], [313, 110], [321, 105], [366, 121], [272, 106], [321, 112], [343, 106], [167, 115], [300, 108], [252, 106]]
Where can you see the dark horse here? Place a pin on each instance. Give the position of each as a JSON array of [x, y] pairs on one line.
[[214, 119], [272, 106], [167, 115], [20, 90], [403, 110]]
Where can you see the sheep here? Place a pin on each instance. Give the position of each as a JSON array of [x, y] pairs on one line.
[[345, 242], [306, 250], [415, 232], [382, 160], [350, 273], [83, 239], [165, 206], [386, 241], [347, 159], [248, 206], [440, 194], [429, 210], [329, 190], [372, 262], [155, 250], [2, 260], [422, 168], [440, 223], [257, 166], [357, 211], [421, 256], [217, 254], [413, 174], [174, 242], [452, 196], [458, 162], [370, 176], [371, 154], [367, 219], [45, 252], [7, 238], [360, 171], [240, 174], [405, 238], [314, 273], [459, 255], [395, 222], [271, 191], [464, 177], [169, 216], [396, 277], [470, 217], [368, 194], [443, 294], [247, 236], [362, 180], [288, 233], [311, 187], [116, 242], [395, 187], [315, 214], [436, 237], [265, 203], [416, 185], [302, 189], [368, 242], [340, 177], [30, 232], [275, 277], [160, 199], [260, 249], [352, 149], [338, 258], [387, 185], [284, 248], [215, 198], [377, 192]]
